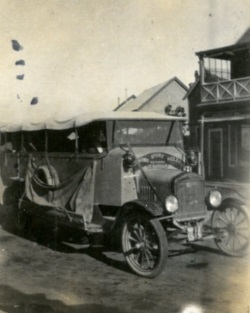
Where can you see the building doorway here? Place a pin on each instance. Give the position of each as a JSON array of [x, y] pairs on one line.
[[215, 153]]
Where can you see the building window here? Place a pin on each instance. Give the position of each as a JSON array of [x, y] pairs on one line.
[[216, 70]]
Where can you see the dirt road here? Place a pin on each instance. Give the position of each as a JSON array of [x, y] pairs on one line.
[[37, 278]]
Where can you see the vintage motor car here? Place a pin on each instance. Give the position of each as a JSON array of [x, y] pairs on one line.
[[122, 173]]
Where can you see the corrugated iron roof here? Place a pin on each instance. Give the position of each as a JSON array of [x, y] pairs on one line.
[[131, 98], [147, 95], [226, 51], [245, 37]]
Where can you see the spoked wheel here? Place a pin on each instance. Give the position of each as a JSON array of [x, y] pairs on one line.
[[13, 219], [232, 229], [144, 245]]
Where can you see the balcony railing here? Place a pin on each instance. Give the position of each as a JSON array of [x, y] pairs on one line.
[[229, 90]]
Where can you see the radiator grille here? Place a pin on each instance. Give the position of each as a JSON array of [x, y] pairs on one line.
[[191, 199], [190, 194]]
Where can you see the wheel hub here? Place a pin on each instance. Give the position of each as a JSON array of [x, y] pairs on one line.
[[232, 229], [140, 245]]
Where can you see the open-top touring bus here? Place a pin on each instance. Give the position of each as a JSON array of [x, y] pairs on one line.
[[123, 172]]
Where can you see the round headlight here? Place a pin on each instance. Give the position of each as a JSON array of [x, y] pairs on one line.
[[215, 198], [171, 204]]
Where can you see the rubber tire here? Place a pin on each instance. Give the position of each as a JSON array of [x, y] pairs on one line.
[[12, 217], [158, 230], [214, 221], [48, 175]]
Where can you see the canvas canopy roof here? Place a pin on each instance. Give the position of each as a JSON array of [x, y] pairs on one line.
[[58, 123]]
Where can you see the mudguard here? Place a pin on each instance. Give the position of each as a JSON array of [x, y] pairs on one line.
[[228, 201], [154, 208], [228, 195]]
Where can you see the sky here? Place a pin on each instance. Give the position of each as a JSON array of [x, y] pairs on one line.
[[86, 55]]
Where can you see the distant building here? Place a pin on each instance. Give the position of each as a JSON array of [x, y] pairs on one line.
[[120, 105], [164, 98], [220, 99]]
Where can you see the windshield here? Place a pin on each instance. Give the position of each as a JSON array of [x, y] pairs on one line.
[[148, 133]]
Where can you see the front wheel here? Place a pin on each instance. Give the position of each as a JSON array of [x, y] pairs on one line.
[[232, 229], [144, 245]]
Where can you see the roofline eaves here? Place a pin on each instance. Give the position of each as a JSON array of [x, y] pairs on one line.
[[234, 47]]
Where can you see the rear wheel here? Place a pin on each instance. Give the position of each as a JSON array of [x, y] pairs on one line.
[[232, 229], [15, 219], [144, 245]]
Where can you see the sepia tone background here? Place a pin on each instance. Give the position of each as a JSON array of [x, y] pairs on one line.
[[84, 55]]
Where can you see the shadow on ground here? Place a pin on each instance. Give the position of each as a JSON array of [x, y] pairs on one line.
[[73, 242], [76, 243], [14, 301]]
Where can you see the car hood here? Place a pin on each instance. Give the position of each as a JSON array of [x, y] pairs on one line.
[[163, 180]]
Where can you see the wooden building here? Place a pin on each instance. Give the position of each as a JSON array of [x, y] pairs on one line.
[[165, 96], [219, 104]]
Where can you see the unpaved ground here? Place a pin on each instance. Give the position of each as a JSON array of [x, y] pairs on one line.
[[36, 278]]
